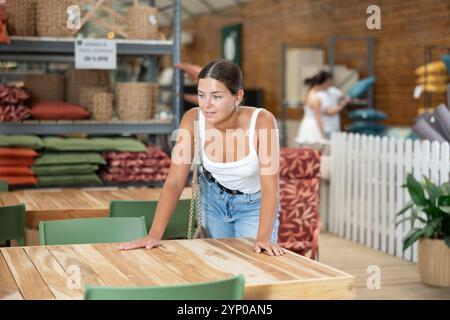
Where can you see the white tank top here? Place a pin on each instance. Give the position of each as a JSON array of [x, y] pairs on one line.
[[242, 175]]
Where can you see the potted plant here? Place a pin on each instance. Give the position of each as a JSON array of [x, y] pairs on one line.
[[429, 204]]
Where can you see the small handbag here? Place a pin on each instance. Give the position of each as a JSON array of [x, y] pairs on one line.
[[200, 232]]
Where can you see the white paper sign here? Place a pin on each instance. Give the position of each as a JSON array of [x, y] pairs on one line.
[[95, 54]]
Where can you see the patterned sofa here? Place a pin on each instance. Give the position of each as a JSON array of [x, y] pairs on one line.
[[299, 197]]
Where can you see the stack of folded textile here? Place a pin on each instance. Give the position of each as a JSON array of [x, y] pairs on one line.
[[17, 156], [68, 168], [151, 165], [13, 103], [75, 161]]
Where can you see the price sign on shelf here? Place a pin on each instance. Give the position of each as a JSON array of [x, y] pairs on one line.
[[95, 54]]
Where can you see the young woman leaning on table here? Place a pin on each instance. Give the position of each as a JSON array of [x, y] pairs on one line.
[[238, 175]]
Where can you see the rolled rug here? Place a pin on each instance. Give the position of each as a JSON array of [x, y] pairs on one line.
[[442, 115], [425, 131], [432, 121]]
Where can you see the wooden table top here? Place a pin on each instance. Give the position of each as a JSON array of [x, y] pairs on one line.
[[61, 272], [74, 203]]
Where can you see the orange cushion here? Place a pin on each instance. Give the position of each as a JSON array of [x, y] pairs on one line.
[[15, 162], [17, 153], [16, 171], [4, 38], [53, 110], [18, 180]]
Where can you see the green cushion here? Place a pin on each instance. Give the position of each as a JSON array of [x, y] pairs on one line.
[[361, 87], [366, 127], [93, 144], [367, 114], [23, 141], [58, 158], [85, 179], [64, 169]]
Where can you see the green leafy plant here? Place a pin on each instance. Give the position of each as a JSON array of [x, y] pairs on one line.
[[429, 204]]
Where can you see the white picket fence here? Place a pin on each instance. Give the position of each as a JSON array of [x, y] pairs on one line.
[[367, 174]]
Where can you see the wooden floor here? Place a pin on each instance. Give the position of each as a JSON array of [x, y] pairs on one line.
[[399, 278]]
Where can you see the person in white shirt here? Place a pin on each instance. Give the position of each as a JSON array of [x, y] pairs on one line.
[[332, 101], [321, 109]]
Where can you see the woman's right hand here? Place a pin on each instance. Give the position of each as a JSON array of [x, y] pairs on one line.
[[146, 242]]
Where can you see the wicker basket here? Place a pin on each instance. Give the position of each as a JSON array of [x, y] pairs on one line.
[[77, 79], [87, 94], [51, 18], [102, 106], [141, 22], [135, 100], [21, 17], [45, 87]]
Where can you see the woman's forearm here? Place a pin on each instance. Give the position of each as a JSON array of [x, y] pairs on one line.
[[267, 213], [165, 208]]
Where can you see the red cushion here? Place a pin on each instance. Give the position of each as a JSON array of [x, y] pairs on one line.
[[15, 162], [15, 171], [18, 180], [54, 110], [17, 153]]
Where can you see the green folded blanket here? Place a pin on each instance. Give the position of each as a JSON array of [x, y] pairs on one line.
[[59, 158], [93, 144], [79, 179], [23, 141], [54, 170]]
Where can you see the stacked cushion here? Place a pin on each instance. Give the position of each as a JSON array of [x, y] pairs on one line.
[[21, 141], [57, 110], [361, 87], [151, 165], [365, 121], [93, 144], [68, 168], [13, 103], [15, 165]]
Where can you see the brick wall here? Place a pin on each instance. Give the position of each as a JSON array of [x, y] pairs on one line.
[[406, 28]]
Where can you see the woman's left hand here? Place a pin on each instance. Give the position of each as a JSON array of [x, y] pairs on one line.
[[269, 248]]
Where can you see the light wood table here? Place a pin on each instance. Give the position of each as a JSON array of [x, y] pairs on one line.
[[61, 272], [45, 205]]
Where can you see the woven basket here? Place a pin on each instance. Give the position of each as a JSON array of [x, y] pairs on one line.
[[135, 100], [102, 106], [87, 94], [77, 79], [51, 18], [140, 21], [21, 17], [45, 87]]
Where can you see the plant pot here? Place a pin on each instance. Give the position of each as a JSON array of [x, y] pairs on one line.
[[434, 262]]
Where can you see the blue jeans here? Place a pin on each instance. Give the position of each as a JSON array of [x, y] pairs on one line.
[[231, 216]]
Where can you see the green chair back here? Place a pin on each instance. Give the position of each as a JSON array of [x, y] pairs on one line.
[[178, 223], [229, 289], [91, 230], [12, 223], [4, 186]]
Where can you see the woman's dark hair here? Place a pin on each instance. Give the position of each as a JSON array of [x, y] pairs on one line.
[[318, 79], [224, 71]]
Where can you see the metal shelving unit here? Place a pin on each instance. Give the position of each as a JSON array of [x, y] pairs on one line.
[[45, 49]]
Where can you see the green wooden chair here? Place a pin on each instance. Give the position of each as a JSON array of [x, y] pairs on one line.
[[229, 289], [91, 230], [4, 186], [178, 223], [12, 223]]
